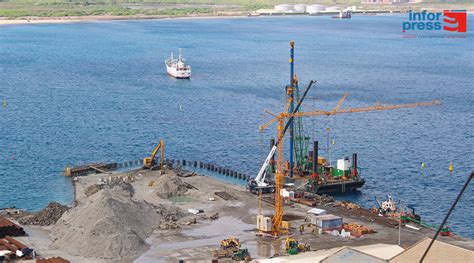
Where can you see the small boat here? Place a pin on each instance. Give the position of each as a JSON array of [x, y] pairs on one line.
[[346, 14], [178, 68]]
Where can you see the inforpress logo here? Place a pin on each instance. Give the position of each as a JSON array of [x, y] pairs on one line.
[[455, 20], [449, 20]]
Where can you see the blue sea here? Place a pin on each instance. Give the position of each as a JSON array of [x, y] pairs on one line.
[[98, 91]]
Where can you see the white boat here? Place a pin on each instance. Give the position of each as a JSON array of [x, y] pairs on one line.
[[177, 67]]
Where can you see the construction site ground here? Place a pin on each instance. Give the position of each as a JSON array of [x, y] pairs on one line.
[[198, 235]]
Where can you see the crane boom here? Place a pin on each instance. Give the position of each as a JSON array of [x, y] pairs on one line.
[[260, 175], [353, 110]]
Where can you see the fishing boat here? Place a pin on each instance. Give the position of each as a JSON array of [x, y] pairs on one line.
[[178, 68], [346, 14]]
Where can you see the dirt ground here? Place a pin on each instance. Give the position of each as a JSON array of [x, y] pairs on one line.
[[237, 217]]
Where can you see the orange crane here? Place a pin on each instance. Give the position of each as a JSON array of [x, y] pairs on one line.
[[281, 129], [282, 116]]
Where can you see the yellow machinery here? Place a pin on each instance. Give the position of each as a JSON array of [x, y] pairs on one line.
[[231, 243], [293, 247], [150, 162], [277, 227]]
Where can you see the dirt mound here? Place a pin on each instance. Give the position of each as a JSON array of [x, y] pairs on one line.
[[110, 225], [170, 185], [45, 217]]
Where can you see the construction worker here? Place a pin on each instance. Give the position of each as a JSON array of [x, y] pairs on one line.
[[301, 229]]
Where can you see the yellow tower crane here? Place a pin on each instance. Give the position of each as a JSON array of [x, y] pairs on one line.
[[281, 128]]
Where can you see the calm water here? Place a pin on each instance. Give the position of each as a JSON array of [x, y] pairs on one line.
[[87, 92]]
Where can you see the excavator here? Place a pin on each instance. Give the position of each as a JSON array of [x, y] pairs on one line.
[[150, 162]]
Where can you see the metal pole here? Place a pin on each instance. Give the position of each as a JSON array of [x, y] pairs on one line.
[[399, 222], [447, 216], [292, 105]]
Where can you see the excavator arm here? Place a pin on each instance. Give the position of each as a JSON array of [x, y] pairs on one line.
[[149, 162]]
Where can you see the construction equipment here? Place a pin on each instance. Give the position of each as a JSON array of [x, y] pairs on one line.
[[229, 247], [290, 113], [293, 247], [231, 243], [242, 255], [150, 162], [260, 184]]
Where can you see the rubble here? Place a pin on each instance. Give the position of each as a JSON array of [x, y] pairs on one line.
[[170, 213], [45, 217], [168, 225]]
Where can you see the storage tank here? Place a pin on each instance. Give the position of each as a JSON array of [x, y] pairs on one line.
[[300, 8], [314, 9], [333, 9], [284, 8]]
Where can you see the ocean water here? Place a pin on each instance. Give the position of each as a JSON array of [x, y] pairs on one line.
[[97, 91]]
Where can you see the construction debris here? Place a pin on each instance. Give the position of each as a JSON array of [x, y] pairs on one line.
[[170, 185], [8, 228], [168, 225], [349, 205], [357, 230], [45, 217], [12, 249], [224, 195], [52, 260], [170, 213], [214, 216]]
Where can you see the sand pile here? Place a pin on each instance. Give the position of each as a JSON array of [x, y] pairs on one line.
[[111, 225], [170, 185], [45, 217]]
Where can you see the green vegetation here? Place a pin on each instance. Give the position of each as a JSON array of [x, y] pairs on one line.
[[65, 10]]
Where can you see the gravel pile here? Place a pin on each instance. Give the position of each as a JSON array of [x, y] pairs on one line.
[[170, 185], [47, 216], [110, 225]]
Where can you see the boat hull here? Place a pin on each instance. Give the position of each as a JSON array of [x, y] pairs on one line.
[[179, 74], [340, 187]]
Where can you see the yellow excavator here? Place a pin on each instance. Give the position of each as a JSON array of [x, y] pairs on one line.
[[150, 162]]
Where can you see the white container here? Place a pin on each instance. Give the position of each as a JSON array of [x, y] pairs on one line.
[[300, 8], [264, 223], [314, 9], [343, 164], [317, 211]]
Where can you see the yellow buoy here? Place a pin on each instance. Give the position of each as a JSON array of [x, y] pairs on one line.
[[451, 167], [422, 165], [5, 103]]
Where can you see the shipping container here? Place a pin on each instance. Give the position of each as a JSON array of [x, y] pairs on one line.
[[327, 222]]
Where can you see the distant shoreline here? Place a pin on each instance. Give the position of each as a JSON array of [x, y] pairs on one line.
[[76, 19]]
